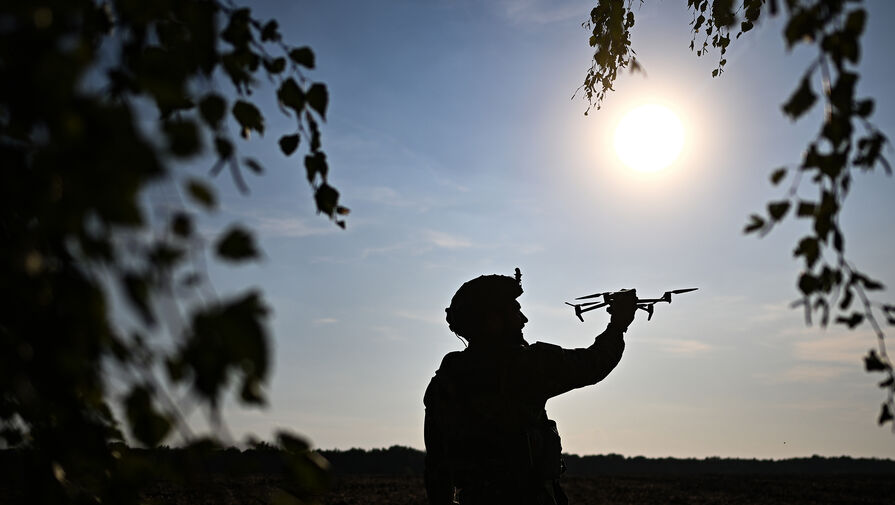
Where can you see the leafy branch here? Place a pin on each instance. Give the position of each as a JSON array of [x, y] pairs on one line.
[[77, 372], [847, 142]]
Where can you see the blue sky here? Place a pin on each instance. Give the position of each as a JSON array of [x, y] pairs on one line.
[[452, 137]]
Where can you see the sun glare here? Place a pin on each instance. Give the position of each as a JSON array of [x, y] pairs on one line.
[[649, 138]]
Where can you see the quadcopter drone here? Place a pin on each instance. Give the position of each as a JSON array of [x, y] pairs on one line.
[[647, 304]]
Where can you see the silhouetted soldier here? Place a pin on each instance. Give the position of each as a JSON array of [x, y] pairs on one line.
[[488, 438]]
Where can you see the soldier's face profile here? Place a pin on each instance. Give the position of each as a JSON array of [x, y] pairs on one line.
[[512, 320], [516, 318]]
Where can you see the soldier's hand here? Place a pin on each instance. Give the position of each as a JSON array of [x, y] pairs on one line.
[[622, 307]]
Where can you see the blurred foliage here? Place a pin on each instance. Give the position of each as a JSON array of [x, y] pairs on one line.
[[98, 101], [847, 142]]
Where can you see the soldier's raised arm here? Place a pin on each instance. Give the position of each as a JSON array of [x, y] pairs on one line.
[[553, 370]]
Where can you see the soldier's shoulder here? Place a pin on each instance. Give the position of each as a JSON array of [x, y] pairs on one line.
[[451, 360]]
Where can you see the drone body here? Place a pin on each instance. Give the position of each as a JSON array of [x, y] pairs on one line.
[[646, 304]]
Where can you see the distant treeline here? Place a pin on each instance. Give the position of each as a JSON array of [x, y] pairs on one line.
[[615, 464], [399, 460], [406, 461]]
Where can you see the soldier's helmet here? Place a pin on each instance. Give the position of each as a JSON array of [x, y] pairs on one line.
[[477, 297]]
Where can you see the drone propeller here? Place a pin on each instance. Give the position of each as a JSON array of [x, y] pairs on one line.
[[595, 295], [680, 291]]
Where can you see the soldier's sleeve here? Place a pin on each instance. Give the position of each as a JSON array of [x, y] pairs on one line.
[[439, 487], [552, 370]]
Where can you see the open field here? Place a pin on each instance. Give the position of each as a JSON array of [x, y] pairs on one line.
[[642, 490], [615, 490], [394, 476]]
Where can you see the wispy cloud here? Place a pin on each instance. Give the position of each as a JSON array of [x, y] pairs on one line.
[[810, 373], [390, 197], [269, 224], [291, 227], [429, 316], [543, 11], [684, 347], [844, 347], [388, 334], [428, 240], [445, 240]]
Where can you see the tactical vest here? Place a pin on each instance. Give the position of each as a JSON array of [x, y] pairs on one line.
[[489, 436]]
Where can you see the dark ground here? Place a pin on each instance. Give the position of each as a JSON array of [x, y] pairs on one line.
[[615, 490]]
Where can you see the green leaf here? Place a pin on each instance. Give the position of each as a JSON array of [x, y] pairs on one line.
[[847, 299], [302, 56], [852, 321], [289, 143], [201, 194], [248, 116], [237, 245], [253, 165], [270, 31], [327, 199], [315, 131], [843, 92], [291, 442], [810, 249], [801, 100], [183, 137], [212, 108], [778, 209], [291, 95], [147, 425], [806, 209], [871, 285], [274, 66], [181, 225], [885, 414], [316, 164], [318, 98], [165, 256], [778, 175], [226, 338], [855, 21], [864, 108], [756, 223], [873, 363], [223, 147], [808, 283], [838, 241]]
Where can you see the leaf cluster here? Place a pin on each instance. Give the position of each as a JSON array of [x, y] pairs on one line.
[[78, 374], [610, 24]]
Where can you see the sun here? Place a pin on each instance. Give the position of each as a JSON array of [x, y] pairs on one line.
[[649, 138]]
